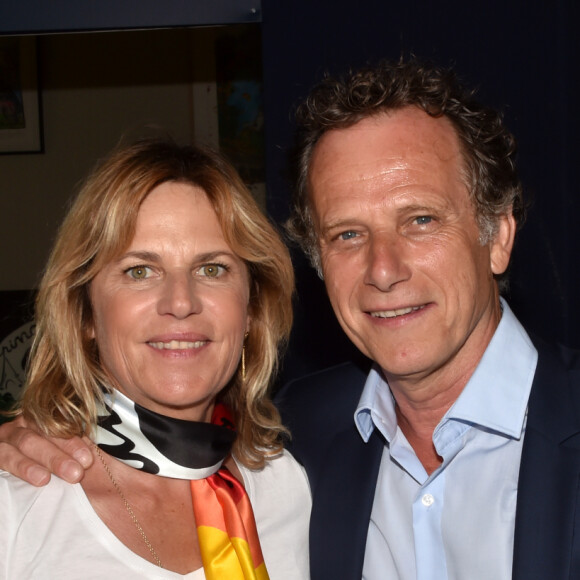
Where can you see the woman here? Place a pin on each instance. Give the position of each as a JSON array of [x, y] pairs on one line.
[[159, 318]]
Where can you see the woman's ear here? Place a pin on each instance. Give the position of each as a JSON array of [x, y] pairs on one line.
[[89, 325]]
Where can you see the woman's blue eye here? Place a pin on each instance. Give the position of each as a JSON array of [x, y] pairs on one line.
[[212, 270], [139, 272]]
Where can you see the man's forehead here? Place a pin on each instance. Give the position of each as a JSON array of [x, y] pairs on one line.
[[406, 148], [400, 129]]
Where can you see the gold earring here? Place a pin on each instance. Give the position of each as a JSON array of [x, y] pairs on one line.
[[244, 358]]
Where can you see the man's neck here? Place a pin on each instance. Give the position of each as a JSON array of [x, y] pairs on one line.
[[421, 404], [418, 425]]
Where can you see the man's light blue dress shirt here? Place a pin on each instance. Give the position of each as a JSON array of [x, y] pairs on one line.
[[457, 523]]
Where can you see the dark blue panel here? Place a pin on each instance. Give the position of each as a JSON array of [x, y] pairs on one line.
[[523, 57], [40, 16]]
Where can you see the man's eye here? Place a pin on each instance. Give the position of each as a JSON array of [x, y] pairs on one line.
[[139, 272], [347, 235], [212, 270], [423, 220]]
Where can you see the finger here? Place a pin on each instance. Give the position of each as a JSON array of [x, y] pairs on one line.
[[14, 462], [78, 449], [58, 456], [32, 457]]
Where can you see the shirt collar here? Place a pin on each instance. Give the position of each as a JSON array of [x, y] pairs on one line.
[[495, 397], [376, 407]]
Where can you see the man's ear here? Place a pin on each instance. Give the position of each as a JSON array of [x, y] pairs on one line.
[[501, 246]]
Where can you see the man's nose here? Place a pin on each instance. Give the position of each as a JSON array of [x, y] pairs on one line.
[[387, 262]]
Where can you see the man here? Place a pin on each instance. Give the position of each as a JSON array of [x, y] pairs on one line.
[[457, 454]]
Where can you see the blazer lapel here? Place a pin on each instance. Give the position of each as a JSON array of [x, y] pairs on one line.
[[547, 524], [342, 502]]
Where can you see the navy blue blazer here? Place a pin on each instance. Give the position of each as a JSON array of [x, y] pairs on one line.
[[343, 470]]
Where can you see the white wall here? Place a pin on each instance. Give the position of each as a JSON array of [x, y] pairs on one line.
[[94, 88]]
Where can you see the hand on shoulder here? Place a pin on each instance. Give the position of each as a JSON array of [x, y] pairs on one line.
[[33, 457]]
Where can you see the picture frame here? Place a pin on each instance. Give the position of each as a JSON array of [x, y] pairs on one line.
[[20, 110], [227, 100]]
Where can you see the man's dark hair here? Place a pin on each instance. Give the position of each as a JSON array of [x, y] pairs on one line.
[[487, 146]]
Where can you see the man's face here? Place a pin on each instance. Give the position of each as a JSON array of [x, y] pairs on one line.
[[408, 279]]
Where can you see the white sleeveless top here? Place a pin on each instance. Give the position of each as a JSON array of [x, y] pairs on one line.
[[53, 531]]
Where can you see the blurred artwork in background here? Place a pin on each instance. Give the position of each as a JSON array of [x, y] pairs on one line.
[[20, 110], [240, 105], [11, 101]]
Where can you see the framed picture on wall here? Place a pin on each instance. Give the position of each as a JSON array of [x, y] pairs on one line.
[[227, 99], [20, 118]]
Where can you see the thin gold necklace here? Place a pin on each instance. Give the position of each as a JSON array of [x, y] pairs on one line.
[[129, 509]]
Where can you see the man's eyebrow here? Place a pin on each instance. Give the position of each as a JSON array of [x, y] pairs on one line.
[[337, 224], [410, 208], [418, 208]]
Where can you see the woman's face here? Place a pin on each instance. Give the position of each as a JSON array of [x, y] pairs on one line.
[[171, 312]]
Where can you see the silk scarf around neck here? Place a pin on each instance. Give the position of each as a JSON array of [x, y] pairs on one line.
[[145, 440]]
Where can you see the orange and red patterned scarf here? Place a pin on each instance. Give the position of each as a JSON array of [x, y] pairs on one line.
[[226, 528]]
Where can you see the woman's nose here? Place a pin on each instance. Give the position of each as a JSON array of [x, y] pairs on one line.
[[179, 297]]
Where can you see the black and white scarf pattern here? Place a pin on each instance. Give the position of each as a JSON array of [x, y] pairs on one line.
[[158, 444]]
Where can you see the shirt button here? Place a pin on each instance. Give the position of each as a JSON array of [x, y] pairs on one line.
[[427, 500]]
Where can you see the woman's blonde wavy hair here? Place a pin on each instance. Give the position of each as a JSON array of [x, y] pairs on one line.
[[65, 376]]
